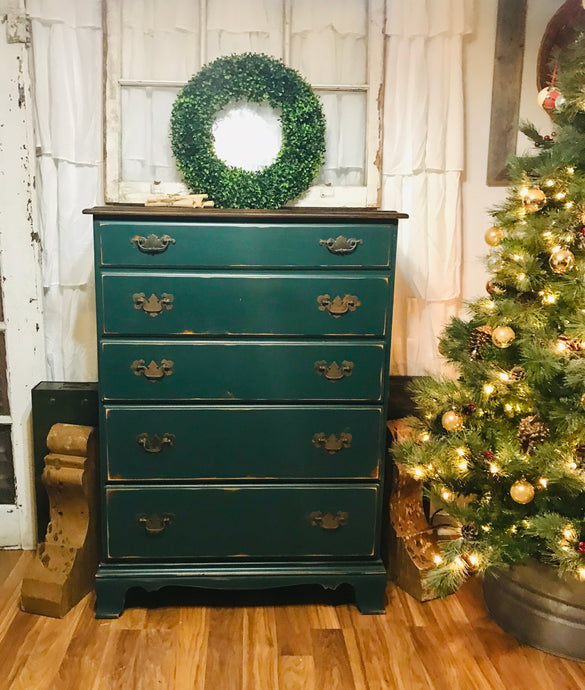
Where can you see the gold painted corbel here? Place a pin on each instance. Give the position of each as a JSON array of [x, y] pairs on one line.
[[63, 570]]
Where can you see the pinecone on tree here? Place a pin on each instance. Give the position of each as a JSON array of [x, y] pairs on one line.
[[568, 345], [531, 432], [470, 531], [478, 339], [517, 373]]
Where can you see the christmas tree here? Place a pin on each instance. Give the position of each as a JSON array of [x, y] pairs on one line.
[[501, 450]]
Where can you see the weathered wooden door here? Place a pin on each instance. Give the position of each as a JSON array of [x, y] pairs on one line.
[[22, 360]]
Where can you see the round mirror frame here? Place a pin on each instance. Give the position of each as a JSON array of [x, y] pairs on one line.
[[256, 78]]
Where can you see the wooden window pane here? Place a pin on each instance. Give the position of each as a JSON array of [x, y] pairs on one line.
[[155, 46]]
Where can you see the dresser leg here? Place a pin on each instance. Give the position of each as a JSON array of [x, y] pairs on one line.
[[369, 595], [110, 598]]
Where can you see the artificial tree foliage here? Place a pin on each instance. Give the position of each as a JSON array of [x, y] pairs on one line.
[[256, 78], [501, 450]]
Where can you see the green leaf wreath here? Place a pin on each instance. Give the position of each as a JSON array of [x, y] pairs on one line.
[[255, 78]]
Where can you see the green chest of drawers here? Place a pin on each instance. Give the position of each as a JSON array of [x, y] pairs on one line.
[[243, 373]]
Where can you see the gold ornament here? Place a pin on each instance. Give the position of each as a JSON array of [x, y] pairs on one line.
[[452, 421], [494, 288], [522, 491], [562, 261], [533, 199], [494, 236], [503, 336], [583, 400]]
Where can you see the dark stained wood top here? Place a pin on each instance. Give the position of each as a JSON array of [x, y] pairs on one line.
[[276, 215]]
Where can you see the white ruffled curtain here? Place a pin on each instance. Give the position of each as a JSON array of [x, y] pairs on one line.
[[67, 78], [423, 159]]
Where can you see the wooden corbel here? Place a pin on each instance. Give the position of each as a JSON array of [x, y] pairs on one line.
[[64, 568]]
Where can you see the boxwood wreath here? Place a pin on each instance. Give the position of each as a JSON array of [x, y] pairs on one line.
[[257, 78]]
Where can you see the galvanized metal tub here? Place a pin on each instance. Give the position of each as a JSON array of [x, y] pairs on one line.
[[539, 608]]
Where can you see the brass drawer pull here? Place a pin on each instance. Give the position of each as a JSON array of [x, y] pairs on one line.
[[338, 306], [155, 443], [152, 244], [341, 245], [153, 372], [153, 306], [333, 372], [328, 521], [332, 444], [155, 524]]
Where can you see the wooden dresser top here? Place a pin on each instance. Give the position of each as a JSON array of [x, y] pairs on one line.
[[282, 215]]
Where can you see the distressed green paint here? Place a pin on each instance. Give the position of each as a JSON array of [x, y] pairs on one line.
[[113, 579], [234, 370], [236, 245], [242, 442], [242, 401], [250, 304], [250, 522]]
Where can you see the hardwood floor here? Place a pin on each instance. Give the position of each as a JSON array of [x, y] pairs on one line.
[[277, 640]]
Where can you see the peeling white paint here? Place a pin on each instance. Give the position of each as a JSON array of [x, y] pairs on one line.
[[17, 27], [20, 268]]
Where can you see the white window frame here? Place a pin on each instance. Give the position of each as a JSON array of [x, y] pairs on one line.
[[117, 190]]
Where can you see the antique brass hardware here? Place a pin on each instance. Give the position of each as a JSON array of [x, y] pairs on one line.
[[153, 372], [153, 306], [155, 524], [333, 372], [341, 245], [155, 443], [338, 306], [332, 444], [152, 244], [328, 521]]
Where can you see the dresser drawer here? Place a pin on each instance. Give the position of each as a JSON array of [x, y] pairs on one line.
[[249, 304], [251, 370], [218, 245], [231, 442], [241, 521]]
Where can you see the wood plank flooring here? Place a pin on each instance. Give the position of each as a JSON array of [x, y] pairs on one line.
[[294, 639]]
